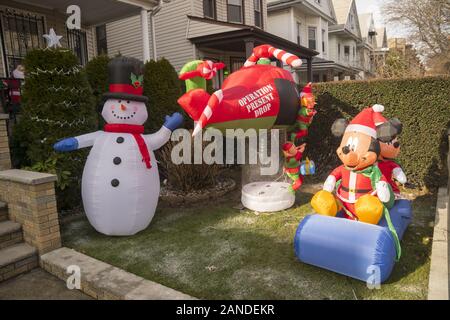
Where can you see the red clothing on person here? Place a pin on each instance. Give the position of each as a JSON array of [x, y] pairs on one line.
[[387, 167]]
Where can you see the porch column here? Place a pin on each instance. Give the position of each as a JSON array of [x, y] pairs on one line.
[[145, 35], [309, 69]]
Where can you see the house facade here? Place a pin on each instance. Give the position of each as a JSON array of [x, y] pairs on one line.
[[178, 30], [346, 41], [218, 30], [305, 23], [367, 46], [23, 24]]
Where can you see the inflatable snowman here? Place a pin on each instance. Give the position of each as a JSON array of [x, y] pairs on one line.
[[120, 185]]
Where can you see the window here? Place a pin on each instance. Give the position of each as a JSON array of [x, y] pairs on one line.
[[209, 9], [299, 33], [102, 45], [339, 51], [351, 21], [76, 41], [257, 4], [235, 11], [346, 53], [354, 53], [312, 38], [21, 34], [323, 40]]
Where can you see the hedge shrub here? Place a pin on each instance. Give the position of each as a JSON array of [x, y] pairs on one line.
[[423, 106], [97, 75], [57, 103], [163, 88]]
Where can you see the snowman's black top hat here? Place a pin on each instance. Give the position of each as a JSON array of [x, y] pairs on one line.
[[126, 79]]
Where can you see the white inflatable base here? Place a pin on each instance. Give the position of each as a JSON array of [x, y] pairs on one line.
[[267, 196]]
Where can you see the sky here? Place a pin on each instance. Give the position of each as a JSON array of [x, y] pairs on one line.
[[365, 6]]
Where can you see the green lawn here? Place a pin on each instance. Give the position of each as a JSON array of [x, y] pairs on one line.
[[215, 251]]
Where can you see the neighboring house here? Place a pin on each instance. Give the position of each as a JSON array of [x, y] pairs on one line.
[[23, 24], [381, 50], [368, 45], [219, 30], [345, 38], [305, 23], [410, 55]]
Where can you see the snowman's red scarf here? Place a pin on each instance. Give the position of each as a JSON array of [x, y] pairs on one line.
[[137, 132]]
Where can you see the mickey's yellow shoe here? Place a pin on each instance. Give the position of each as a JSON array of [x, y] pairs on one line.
[[369, 209], [325, 203]]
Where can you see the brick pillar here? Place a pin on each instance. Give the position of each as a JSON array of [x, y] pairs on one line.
[[5, 158], [31, 201]]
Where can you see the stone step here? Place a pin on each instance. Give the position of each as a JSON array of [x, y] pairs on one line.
[[10, 234], [3, 211], [103, 281], [17, 259]]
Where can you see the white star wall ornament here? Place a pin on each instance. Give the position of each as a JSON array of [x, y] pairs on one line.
[[52, 39]]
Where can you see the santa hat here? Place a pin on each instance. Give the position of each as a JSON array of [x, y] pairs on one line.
[[364, 121], [306, 90], [377, 116], [287, 146]]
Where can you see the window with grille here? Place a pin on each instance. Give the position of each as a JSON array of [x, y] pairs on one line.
[[346, 53], [102, 44], [235, 11], [20, 34], [312, 38], [257, 4], [77, 42], [209, 9]]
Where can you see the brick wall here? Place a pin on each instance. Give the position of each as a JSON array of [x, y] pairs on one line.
[[5, 158], [32, 202]]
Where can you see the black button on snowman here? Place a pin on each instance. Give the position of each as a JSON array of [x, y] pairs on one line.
[[120, 186]]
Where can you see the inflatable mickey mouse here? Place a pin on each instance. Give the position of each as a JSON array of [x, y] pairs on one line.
[[361, 189]]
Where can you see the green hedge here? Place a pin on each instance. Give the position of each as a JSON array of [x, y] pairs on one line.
[[97, 75], [423, 106], [163, 88]]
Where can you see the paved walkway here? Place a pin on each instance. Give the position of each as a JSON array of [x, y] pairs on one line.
[[38, 285]]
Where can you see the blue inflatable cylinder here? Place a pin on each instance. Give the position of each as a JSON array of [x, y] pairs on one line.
[[355, 249]]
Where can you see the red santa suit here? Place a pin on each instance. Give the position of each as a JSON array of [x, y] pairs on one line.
[[353, 185], [389, 168]]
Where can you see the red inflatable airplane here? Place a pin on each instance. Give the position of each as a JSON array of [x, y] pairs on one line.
[[259, 96]]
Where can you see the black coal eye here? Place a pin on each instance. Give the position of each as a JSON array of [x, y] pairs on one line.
[[128, 101], [119, 101]]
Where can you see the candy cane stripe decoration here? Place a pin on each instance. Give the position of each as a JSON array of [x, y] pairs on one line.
[[215, 99], [286, 57], [267, 51]]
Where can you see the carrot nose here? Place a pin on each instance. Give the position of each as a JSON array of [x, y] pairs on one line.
[[123, 108]]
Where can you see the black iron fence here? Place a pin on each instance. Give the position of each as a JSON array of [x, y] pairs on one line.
[[77, 42], [20, 33]]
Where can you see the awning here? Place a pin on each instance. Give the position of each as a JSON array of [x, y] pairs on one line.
[[96, 11]]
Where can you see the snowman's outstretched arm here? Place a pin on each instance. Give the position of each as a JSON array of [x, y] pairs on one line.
[[160, 138], [71, 144]]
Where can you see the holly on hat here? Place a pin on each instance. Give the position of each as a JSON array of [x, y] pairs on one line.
[[364, 121]]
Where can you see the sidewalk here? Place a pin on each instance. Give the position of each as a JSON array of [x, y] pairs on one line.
[[38, 285], [439, 282]]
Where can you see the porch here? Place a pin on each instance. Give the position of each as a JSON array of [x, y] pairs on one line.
[[233, 44], [24, 22]]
